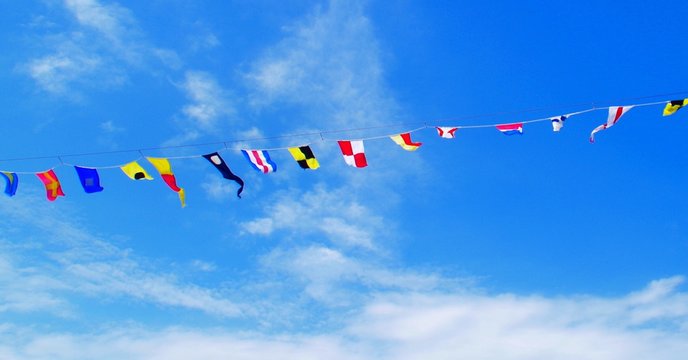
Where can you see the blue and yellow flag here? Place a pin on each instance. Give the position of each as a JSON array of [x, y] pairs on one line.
[[12, 181]]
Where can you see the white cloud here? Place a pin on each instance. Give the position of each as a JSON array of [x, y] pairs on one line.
[[109, 127], [508, 326], [327, 274], [97, 53], [71, 261], [29, 289], [203, 265], [53, 72], [218, 188], [411, 325], [330, 64], [321, 211], [209, 102]]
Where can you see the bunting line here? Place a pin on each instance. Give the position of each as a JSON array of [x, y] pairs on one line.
[[318, 133]]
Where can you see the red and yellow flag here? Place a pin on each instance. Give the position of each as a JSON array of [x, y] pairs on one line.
[[53, 188], [165, 170], [404, 140]]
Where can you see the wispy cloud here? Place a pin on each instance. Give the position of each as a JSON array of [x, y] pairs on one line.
[[329, 276], [208, 100], [98, 50], [79, 263], [329, 62], [414, 325], [109, 127], [322, 211]]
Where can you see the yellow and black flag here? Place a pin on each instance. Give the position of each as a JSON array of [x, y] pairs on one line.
[[304, 156], [673, 106]]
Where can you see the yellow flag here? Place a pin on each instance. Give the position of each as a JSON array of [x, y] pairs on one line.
[[673, 106], [135, 171], [304, 157]]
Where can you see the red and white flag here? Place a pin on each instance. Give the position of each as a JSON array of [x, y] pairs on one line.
[[446, 132], [354, 154], [615, 113]]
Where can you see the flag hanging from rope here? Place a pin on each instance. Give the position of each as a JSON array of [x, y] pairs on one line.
[[673, 106], [11, 182], [89, 178], [353, 152], [404, 140], [558, 122], [222, 167], [511, 129], [165, 169], [304, 157], [446, 132], [260, 159], [53, 188], [615, 113], [135, 172]]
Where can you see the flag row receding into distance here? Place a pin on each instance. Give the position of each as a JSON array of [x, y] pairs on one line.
[[352, 151]]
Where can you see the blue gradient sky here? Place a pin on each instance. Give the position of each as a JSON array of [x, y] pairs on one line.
[[484, 246]]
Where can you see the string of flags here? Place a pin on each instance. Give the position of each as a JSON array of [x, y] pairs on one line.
[[353, 152]]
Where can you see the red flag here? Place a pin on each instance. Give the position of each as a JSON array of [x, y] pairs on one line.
[[53, 188]]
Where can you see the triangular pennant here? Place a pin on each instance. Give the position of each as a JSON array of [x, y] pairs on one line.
[[165, 169], [615, 113], [222, 167]]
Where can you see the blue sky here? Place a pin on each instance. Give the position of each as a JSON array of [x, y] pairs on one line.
[[541, 246]]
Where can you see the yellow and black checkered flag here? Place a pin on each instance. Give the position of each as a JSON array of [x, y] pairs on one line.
[[304, 156], [673, 106]]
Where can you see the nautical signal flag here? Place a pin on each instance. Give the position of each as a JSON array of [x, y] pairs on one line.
[[558, 122], [11, 182], [446, 132], [404, 140], [304, 157], [615, 113], [135, 171], [511, 129], [222, 167], [53, 188], [673, 106], [260, 159], [165, 170], [354, 154], [89, 178]]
